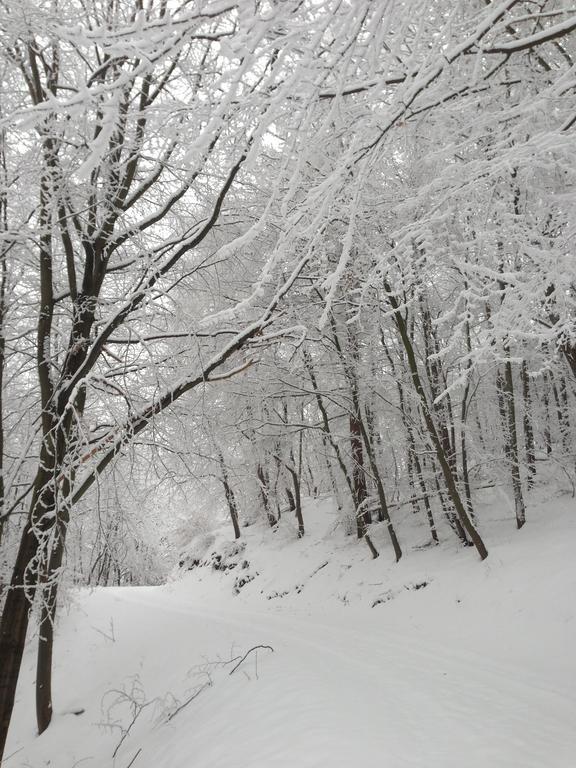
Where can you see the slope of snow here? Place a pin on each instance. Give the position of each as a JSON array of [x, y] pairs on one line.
[[440, 661]]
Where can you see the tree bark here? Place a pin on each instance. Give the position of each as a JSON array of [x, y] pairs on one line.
[[381, 493], [514, 457], [326, 431], [229, 494], [297, 500], [413, 458], [431, 427], [23, 588], [528, 429], [264, 494]]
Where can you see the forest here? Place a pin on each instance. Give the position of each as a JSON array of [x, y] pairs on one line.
[[259, 252]]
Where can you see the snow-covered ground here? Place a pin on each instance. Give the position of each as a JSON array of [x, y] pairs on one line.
[[440, 661]]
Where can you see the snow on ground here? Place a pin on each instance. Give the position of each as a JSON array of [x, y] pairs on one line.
[[440, 661]]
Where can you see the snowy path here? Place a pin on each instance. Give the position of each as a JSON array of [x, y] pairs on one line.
[[339, 689], [331, 694], [476, 670]]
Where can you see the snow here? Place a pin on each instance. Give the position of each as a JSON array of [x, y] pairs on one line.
[[440, 661]]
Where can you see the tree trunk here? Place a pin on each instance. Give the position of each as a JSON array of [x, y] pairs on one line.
[[327, 435], [449, 513], [230, 497], [264, 495], [49, 595], [528, 429], [546, 404], [44, 656], [513, 445], [360, 491], [297, 501], [464, 419], [363, 516], [431, 427], [465, 474], [415, 459], [381, 494], [23, 586], [13, 631], [503, 409], [425, 499], [563, 390]]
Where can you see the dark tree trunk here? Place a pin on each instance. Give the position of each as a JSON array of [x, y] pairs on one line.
[[443, 411], [448, 511], [465, 473], [363, 516], [513, 445], [464, 420], [449, 478], [415, 460], [47, 618], [503, 409], [528, 429], [297, 501], [291, 502], [563, 390], [425, 499], [13, 631], [546, 404], [229, 494], [264, 495], [327, 435], [23, 586], [384, 511], [360, 491]]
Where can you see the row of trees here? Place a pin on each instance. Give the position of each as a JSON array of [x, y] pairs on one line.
[[341, 228]]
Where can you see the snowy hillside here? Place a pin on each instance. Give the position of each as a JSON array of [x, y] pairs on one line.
[[441, 661]]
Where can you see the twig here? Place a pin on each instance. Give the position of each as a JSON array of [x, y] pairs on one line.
[[104, 634], [138, 709], [268, 647], [134, 758], [233, 372], [12, 755], [185, 704]]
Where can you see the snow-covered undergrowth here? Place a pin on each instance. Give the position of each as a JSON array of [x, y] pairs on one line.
[[440, 661]]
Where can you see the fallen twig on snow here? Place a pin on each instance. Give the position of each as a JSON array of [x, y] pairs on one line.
[[134, 758], [188, 700], [255, 648]]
